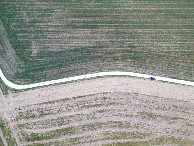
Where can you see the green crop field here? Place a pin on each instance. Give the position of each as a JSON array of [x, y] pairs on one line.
[[42, 39]]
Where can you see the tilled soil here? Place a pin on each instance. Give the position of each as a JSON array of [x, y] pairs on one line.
[[109, 110], [107, 118]]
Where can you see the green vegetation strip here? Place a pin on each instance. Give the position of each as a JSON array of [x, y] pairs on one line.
[[7, 134], [1, 142]]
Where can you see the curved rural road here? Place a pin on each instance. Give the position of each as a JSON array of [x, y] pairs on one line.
[[116, 73]]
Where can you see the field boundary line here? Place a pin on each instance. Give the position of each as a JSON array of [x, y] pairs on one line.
[[9, 57], [87, 76]]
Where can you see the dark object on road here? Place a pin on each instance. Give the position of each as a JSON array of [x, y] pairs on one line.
[[152, 78]]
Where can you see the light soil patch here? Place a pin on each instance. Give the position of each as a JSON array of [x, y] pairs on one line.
[[102, 110], [99, 85], [5, 114], [106, 117]]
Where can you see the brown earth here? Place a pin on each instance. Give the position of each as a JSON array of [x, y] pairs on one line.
[[109, 110]]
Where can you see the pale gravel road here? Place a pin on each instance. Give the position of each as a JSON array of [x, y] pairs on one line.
[[87, 76]]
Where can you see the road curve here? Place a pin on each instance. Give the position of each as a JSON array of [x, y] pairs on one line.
[[87, 76]]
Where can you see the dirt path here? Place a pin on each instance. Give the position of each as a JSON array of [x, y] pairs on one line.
[[6, 115]]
